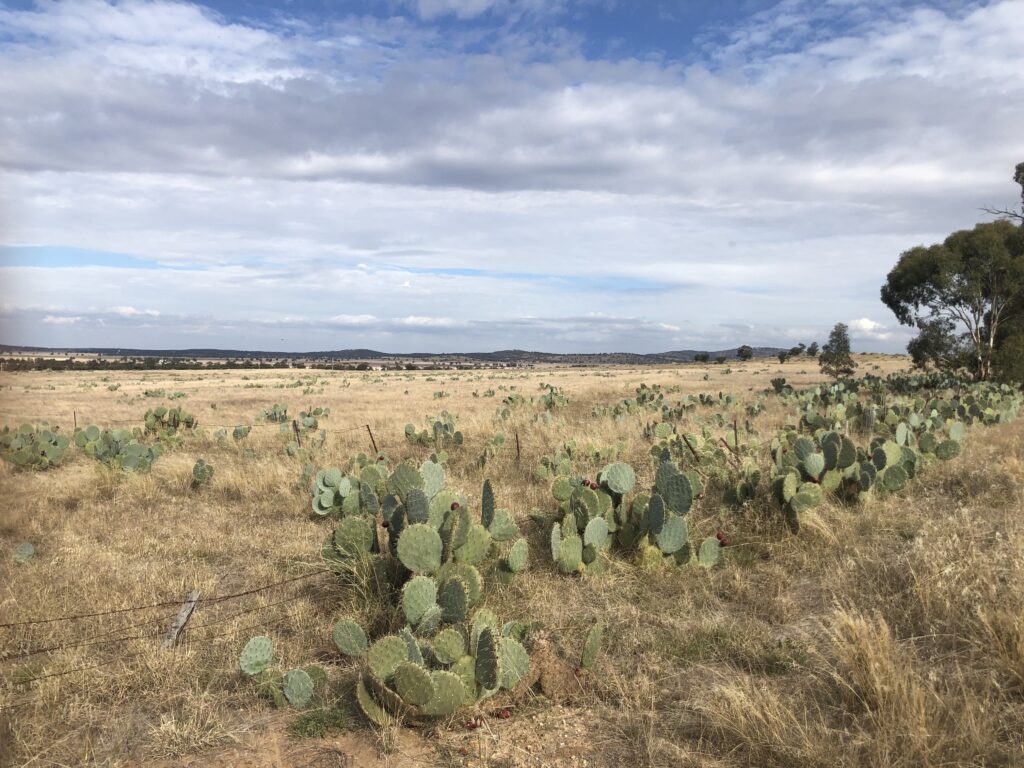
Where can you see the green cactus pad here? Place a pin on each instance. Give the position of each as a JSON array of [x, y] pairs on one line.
[[570, 554], [596, 533], [417, 507], [948, 449], [385, 655], [430, 622], [24, 552], [710, 552], [481, 619], [673, 535], [449, 646], [374, 712], [666, 471], [592, 645], [433, 478], [413, 684], [415, 652], [453, 598], [354, 535], [478, 543], [419, 548], [256, 655], [488, 665], [465, 669], [678, 494], [803, 447], [556, 541], [487, 505], [298, 687], [956, 431], [561, 489], [518, 556], [404, 479], [619, 477], [502, 526], [349, 638], [814, 465], [893, 478], [450, 694], [655, 514], [418, 596], [515, 662]]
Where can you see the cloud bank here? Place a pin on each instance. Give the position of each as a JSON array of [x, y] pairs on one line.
[[470, 174]]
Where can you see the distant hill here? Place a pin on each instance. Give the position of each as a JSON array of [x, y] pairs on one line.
[[501, 356]]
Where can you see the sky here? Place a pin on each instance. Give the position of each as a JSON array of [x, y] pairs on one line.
[[473, 175]]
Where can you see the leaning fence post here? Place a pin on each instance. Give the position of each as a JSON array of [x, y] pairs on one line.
[[183, 616]]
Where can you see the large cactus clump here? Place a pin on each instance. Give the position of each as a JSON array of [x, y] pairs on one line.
[[440, 432], [117, 448], [297, 687], [33, 447], [165, 422], [557, 465], [433, 551], [416, 677], [277, 414], [651, 526]]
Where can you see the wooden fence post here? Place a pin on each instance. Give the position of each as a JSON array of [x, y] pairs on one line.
[[183, 616]]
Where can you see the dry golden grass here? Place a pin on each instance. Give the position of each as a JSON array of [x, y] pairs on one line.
[[890, 634]]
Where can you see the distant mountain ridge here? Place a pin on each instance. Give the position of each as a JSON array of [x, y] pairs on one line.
[[500, 356]]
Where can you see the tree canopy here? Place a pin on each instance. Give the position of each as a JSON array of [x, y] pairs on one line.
[[835, 359], [968, 284]]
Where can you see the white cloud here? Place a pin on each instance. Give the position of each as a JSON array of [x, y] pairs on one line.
[[133, 312], [866, 328], [308, 170], [61, 320]]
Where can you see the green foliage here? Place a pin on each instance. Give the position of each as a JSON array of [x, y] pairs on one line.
[[835, 359], [117, 448], [202, 472], [33, 446], [974, 279]]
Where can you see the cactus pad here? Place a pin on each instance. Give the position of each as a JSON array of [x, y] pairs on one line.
[[596, 533], [453, 598], [256, 655], [354, 535], [385, 655], [433, 478], [449, 646], [592, 645], [476, 546], [488, 666], [450, 694], [673, 536], [24, 552], [349, 638], [570, 554], [487, 505], [518, 556], [419, 548], [298, 688], [413, 684], [418, 596], [374, 712], [710, 552], [502, 527], [619, 477], [515, 662], [417, 507]]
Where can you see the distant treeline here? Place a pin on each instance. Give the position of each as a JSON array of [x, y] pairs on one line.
[[24, 363]]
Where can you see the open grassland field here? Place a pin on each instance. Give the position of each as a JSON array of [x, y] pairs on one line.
[[886, 632]]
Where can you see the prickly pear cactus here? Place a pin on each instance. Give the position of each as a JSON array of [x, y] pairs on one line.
[[256, 655]]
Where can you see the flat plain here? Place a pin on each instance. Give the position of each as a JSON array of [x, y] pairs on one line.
[[886, 633]]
